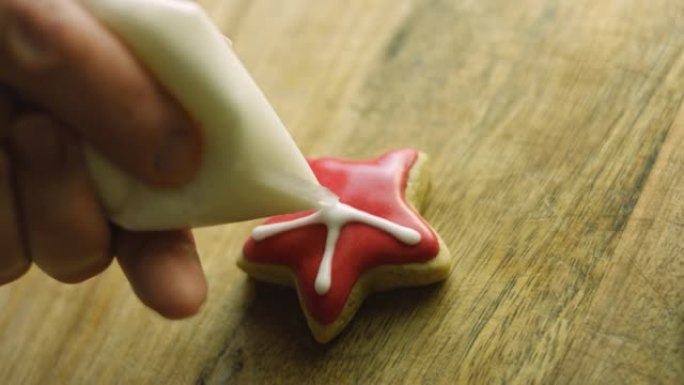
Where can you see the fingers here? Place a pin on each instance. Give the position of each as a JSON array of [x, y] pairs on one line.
[[13, 260], [66, 232], [58, 55], [164, 270]]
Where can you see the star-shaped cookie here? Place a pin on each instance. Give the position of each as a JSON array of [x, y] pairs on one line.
[[373, 239]]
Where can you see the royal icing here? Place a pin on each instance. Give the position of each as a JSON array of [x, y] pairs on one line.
[[335, 216], [328, 250]]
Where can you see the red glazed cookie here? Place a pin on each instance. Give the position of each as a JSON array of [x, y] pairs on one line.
[[373, 239]]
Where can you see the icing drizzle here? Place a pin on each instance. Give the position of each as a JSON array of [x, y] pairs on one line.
[[335, 216]]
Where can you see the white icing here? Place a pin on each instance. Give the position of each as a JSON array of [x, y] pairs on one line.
[[250, 162], [335, 215]]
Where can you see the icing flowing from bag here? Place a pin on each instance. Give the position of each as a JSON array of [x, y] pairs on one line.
[[335, 215]]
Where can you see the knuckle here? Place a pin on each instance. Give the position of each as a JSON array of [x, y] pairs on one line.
[[32, 27], [26, 10], [10, 8], [20, 11]]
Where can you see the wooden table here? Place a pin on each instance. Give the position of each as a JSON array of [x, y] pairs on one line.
[[556, 133]]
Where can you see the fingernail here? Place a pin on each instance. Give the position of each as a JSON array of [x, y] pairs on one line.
[[178, 156], [29, 47], [36, 145]]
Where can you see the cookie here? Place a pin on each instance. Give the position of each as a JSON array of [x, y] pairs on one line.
[[372, 239]]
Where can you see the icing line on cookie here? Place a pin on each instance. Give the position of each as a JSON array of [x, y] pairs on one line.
[[334, 216]]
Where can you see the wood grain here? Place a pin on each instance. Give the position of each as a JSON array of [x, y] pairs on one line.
[[555, 129]]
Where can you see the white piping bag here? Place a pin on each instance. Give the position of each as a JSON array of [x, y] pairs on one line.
[[251, 167]]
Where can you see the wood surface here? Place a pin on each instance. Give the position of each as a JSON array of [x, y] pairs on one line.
[[556, 133]]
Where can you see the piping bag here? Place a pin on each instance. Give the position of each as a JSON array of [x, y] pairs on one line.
[[251, 166]]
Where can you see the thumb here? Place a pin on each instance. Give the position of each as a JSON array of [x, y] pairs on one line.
[[61, 58]]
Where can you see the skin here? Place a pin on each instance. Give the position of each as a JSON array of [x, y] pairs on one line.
[[65, 79]]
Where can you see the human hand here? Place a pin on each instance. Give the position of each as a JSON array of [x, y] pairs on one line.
[[64, 79]]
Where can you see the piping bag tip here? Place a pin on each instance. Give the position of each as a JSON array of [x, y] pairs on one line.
[[309, 194], [322, 196]]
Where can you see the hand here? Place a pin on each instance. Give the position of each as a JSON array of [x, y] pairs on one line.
[[64, 79]]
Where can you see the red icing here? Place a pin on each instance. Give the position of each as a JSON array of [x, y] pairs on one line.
[[377, 187]]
